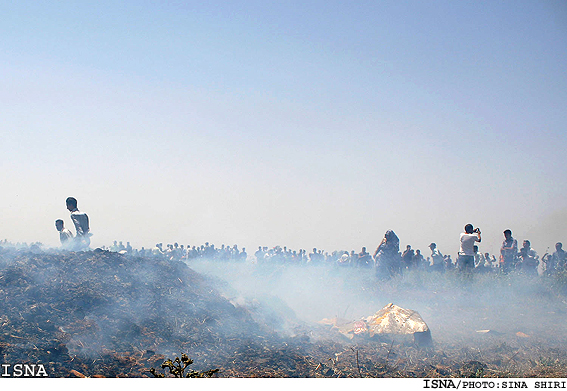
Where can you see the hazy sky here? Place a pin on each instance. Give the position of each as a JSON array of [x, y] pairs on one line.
[[293, 123]]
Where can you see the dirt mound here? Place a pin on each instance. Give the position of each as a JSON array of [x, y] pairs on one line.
[[103, 313]]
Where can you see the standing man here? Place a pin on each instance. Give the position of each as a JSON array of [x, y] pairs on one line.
[[529, 260], [408, 258], [364, 259], [437, 259], [508, 252], [81, 221], [466, 253], [559, 258]]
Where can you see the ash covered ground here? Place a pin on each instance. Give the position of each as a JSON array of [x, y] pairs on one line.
[[104, 314]]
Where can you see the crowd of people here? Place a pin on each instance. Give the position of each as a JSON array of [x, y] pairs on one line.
[[178, 252], [387, 259]]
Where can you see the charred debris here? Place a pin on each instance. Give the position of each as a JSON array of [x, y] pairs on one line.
[[104, 314]]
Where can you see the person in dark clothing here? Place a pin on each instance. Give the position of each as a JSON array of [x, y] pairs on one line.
[[387, 255], [508, 252], [364, 259], [407, 257]]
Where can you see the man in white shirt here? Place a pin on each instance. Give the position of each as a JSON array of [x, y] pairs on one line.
[[466, 253]]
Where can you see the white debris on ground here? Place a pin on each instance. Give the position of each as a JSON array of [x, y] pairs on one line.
[[391, 319]]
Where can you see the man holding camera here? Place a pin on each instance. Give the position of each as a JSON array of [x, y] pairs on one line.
[[466, 253]]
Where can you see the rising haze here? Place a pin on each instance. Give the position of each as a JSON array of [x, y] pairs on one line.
[[300, 124]]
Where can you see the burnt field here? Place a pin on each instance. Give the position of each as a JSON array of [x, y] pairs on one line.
[[102, 314]]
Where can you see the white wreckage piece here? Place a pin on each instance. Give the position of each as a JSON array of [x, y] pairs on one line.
[[389, 320]]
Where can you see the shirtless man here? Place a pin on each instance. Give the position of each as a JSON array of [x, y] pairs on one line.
[[81, 221], [65, 236]]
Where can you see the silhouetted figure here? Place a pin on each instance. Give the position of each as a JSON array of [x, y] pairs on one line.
[[243, 256], [437, 259], [489, 261], [479, 262], [418, 260], [364, 259], [157, 251], [315, 257], [387, 256], [259, 254], [559, 258], [448, 262], [528, 259], [65, 236], [344, 259], [407, 257], [114, 247], [80, 219], [508, 252]]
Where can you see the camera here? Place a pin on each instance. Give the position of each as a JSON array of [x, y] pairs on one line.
[[476, 230]]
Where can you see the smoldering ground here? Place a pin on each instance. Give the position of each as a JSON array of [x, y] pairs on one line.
[[66, 307], [102, 313], [483, 325], [481, 309]]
